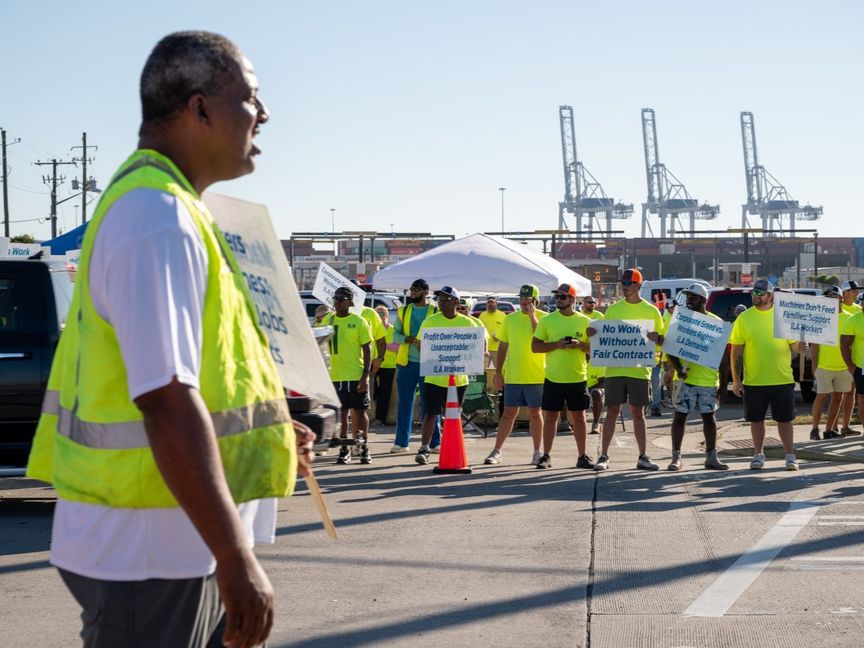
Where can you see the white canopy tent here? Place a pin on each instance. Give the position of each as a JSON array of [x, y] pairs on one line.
[[481, 263]]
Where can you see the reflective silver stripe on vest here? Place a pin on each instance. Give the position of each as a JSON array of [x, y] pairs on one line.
[[51, 402], [131, 434]]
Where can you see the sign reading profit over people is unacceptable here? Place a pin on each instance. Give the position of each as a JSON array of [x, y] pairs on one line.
[[328, 280], [622, 343], [458, 350], [697, 338], [806, 317]]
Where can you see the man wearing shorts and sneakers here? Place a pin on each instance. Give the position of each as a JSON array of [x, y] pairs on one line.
[[350, 360], [596, 375], [629, 384], [832, 378], [519, 372], [697, 392], [562, 337], [849, 303], [767, 376]]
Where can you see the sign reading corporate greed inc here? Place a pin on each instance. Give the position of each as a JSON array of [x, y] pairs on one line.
[[806, 317], [458, 350], [328, 280], [697, 338], [280, 313], [622, 343]]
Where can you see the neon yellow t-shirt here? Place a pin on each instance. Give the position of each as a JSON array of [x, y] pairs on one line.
[[855, 326], [438, 320], [850, 308], [767, 360], [350, 333], [564, 365], [390, 354], [521, 366], [642, 310], [830, 357], [595, 374], [594, 315], [700, 375], [493, 323], [376, 326]]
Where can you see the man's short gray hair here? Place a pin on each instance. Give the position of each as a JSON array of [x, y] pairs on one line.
[[183, 64]]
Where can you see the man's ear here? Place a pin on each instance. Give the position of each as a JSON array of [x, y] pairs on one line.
[[197, 107]]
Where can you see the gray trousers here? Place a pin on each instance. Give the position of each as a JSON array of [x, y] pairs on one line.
[[185, 613]]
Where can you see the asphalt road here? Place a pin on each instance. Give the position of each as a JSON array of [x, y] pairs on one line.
[[515, 556]]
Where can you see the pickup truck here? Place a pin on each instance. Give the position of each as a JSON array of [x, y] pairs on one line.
[[34, 300]]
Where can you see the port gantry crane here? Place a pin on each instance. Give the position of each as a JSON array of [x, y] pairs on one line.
[[765, 195], [583, 195], [667, 197]]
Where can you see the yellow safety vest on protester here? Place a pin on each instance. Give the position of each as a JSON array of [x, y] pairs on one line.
[[404, 315], [91, 443]]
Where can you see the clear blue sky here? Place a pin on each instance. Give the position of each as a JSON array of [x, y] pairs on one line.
[[414, 113]]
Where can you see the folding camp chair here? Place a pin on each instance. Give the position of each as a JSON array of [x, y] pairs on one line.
[[477, 404]]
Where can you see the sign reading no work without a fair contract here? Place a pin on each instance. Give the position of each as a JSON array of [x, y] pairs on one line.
[[806, 318], [458, 350], [328, 280], [622, 343], [281, 316], [697, 338]]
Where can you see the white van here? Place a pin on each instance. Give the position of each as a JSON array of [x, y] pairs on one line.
[[668, 288]]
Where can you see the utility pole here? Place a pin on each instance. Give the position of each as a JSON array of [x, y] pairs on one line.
[[5, 175], [53, 181], [85, 181], [502, 190]]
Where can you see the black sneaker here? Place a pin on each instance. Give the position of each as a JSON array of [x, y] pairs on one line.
[[365, 455], [344, 455], [422, 456], [545, 461], [585, 462], [814, 434], [830, 434], [847, 431]]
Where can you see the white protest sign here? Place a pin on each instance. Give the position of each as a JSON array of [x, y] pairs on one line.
[[22, 250], [457, 350], [806, 317], [697, 338], [328, 280], [260, 257], [622, 343]]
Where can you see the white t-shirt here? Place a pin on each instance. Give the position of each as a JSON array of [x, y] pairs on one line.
[[148, 275]]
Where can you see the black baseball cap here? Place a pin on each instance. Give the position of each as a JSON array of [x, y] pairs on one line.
[[764, 285], [343, 291], [631, 275], [529, 290], [421, 284], [447, 291]]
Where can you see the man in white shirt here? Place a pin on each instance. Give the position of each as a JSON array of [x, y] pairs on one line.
[[164, 570]]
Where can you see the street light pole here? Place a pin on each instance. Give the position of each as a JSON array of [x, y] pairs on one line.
[[502, 190], [333, 220]]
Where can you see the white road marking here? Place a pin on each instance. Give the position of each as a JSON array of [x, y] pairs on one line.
[[723, 592], [841, 523], [841, 517], [829, 559]]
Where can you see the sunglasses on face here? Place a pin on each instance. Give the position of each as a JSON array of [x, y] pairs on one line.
[[445, 299], [627, 283], [562, 296], [759, 293], [338, 299]]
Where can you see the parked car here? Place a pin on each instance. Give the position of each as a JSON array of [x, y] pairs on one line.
[[390, 301], [34, 301]]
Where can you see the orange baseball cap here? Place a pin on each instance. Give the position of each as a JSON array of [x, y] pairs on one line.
[[631, 275]]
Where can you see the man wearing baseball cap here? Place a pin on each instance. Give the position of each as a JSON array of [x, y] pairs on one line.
[[767, 373], [409, 318], [562, 337], [832, 379], [629, 384], [519, 372], [697, 392], [492, 318], [589, 308], [849, 303], [435, 387]]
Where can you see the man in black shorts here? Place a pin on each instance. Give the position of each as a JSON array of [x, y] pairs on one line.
[[767, 376]]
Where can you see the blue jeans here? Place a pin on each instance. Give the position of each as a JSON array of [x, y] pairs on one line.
[[407, 380], [656, 385]]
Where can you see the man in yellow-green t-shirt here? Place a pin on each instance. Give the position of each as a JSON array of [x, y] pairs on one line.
[[629, 384], [767, 373], [350, 363], [493, 320], [519, 372], [385, 370], [697, 392], [849, 291], [832, 378], [562, 337], [852, 350]]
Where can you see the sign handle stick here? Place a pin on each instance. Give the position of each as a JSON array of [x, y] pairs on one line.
[[318, 498]]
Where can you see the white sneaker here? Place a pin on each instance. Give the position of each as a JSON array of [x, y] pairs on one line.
[[397, 449], [758, 462], [535, 459], [435, 450], [791, 462], [494, 457]]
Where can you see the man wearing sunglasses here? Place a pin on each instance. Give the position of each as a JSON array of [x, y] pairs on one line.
[[629, 384], [562, 337], [435, 387], [832, 379], [849, 304], [767, 373]]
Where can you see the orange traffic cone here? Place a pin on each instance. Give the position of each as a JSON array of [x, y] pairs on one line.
[[453, 458]]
